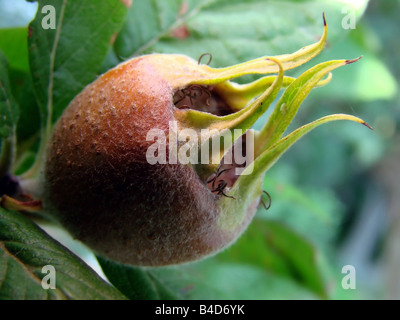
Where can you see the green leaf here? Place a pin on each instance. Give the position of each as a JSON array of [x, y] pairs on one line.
[[301, 197], [311, 210], [233, 31], [8, 119], [8, 106], [29, 116], [28, 125], [147, 21], [134, 282], [13, 42], [65, 59], [279, 250], [207, 279], [25, 249]]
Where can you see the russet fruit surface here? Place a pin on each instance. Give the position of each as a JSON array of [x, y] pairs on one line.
[[101, 187]]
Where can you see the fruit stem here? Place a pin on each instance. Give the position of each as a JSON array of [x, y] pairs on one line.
[[30, 205]]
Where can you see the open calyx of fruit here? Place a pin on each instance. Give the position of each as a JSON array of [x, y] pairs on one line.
[[98, 182]]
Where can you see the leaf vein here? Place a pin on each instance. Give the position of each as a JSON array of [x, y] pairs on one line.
[[51, 71], [176, 24]]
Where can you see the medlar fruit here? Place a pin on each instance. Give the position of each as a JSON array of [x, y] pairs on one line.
[[116, 174]]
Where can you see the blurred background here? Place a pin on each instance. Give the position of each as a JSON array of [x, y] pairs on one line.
[[336, 192]]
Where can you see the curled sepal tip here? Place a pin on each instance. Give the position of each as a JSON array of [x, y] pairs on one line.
[[288, 105], [268, 158]]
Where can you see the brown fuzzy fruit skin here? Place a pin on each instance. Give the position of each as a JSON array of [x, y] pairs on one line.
[[99, 185]]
